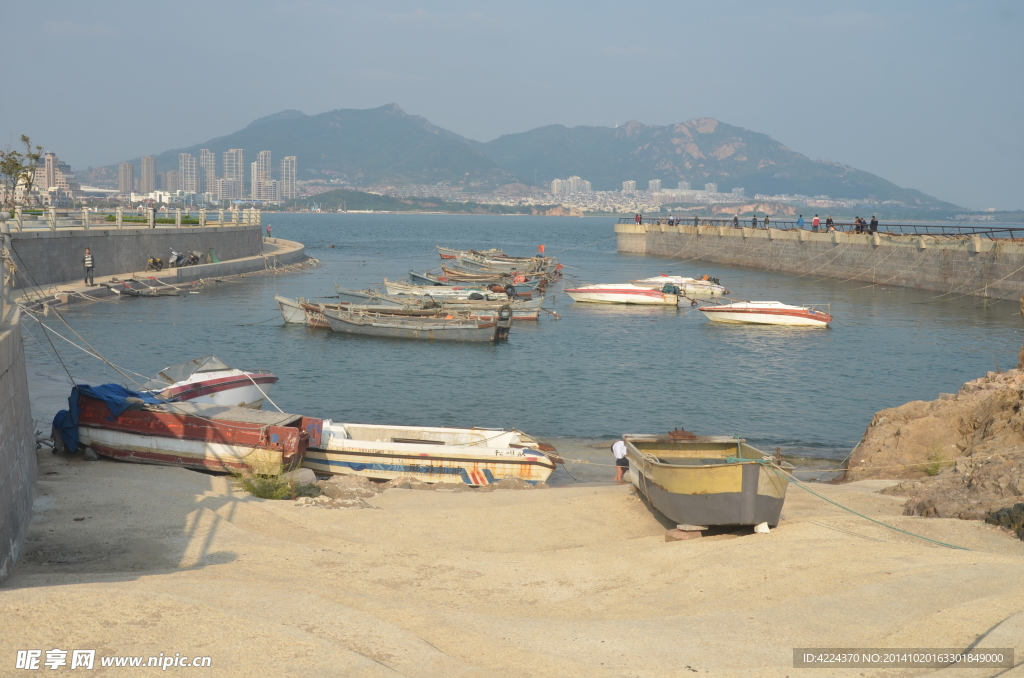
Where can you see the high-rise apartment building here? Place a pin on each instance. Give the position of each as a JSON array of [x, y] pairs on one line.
[[654, 186], [711, 189], [147, 181], [629, 187], [289, 170], [573, 184], [229, 189], [53, 173], [558, 187], [234, 168], [261, 177], [188, 173], [172, 182], [684, 186], [126, 178], [738, 192], [207, 171]]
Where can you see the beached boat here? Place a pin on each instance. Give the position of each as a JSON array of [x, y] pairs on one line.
[[622, 293], [291, 309], [135, 426], [461, 328], [209, 380], [690, 287], [707, 480], [474, 456], [767, 313]]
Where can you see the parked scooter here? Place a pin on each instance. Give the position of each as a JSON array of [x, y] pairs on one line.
[[179, 259], [154, 264]]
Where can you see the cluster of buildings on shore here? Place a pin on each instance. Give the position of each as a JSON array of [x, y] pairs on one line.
[[197, 179]]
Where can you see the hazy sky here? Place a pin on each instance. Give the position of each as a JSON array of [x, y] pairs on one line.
[[927, 94]]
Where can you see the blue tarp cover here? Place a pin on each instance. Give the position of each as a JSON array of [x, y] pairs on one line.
[[114, 395]]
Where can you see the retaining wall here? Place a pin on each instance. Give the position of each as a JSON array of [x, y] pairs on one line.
[[54, 257], [17, 447], [294, 255], [954, 265]]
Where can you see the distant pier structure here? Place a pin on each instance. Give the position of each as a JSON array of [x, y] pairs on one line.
[[954, 261]]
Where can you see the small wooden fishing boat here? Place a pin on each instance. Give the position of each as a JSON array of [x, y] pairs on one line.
[[431, 279], [291, 309], [444, 328], [707, 480], [690, 287], [767, 313], [474, 456], [622, 293], [370, 298], [449, 253], [210, 381], [118, 423], [440, 290], [479, 305]]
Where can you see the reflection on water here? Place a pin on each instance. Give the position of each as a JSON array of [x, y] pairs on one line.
[[596, 373]]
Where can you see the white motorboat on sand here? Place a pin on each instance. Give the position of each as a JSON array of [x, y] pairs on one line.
[[210, 381]]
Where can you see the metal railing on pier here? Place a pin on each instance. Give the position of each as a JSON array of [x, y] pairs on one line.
[[991, 232], [54, 219]]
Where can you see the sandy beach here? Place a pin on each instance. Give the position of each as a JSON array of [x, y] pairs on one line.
[[138, 560]]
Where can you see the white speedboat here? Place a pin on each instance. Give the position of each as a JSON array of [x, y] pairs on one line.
[[691, 287], [767, 313], [622, 293], [208, 380], [474, 456]]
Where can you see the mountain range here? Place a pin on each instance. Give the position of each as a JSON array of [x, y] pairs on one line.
[[386, 145]]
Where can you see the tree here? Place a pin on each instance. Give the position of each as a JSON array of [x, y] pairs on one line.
[[17, 171]]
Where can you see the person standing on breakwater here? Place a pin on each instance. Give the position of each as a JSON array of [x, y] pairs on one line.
[[621, 462], [696, 222], [735, 221], [815, 223], [766, 221], [830, 225], [89, 263], [268, 230], [753, 222], [874, 225], [800, 222]]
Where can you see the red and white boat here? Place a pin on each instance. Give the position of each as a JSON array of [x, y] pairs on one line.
[[767, 313], [622, 293], [691, 287], [209, 381], [126, 425]]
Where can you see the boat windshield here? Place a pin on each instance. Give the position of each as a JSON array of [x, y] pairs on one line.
[[175, 373]]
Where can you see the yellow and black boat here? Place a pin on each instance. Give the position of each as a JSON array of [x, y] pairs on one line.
[[707, 480]]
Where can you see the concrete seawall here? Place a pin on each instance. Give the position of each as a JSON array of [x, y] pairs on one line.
[[51, 257], [953, 265], [17, 447]]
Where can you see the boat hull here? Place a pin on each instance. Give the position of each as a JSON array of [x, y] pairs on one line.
[[647, 297], [291, 310], [231, 391], [706, 490], [754, 317], [430, 330], [362, 458]]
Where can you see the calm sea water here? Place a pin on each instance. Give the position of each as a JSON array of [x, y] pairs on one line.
[[596, 373]]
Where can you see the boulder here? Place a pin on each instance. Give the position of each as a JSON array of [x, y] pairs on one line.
[[299, 477]]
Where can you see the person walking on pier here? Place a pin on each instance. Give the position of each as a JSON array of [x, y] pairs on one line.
[[89, 263]]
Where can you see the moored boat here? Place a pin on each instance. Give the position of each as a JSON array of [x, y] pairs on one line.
[[450, 253], [134, 426], [443, 328], [691, 287], [707, 480], [209, 380], [767, 313], [291, 309], [474, 456], [622, 293], [399, 288]]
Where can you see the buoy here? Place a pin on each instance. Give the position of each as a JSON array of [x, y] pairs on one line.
[[540, 249]]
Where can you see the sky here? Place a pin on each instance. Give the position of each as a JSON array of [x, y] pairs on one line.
[[927, 94]]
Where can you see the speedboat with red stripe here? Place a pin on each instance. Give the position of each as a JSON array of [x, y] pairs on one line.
[[623, 293], [209, 380], [768, 313]]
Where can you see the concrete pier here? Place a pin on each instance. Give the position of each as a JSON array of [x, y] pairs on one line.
[[954, 265]]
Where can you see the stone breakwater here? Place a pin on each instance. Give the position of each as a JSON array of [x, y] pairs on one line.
[[951, 265]]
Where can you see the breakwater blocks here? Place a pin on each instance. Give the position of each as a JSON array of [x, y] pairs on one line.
[[17, 446], [956, 265], [53, 257]]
